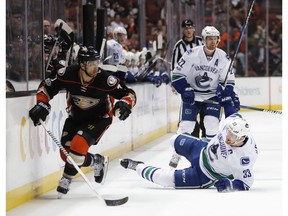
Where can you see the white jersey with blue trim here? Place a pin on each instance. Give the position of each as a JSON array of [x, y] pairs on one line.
[[202, 73], [220, 160], [115, 50]]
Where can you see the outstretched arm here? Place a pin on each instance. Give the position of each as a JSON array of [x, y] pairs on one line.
[[226, 185]]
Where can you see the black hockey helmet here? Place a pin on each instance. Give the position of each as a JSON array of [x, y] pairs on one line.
[[187, 22], [87, 54]]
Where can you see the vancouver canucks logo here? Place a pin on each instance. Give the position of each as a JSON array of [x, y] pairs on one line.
[[203, 81], [245, 161], [212, 152]]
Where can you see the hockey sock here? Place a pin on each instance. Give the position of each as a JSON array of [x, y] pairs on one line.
[[156, 175]]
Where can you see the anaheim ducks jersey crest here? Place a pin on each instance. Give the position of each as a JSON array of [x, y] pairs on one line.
[[84, 103]]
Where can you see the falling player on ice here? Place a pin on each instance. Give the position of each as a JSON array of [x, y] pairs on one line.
[[225, 162]]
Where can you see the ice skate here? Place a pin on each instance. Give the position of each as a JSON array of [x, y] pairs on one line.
[[100, 168], [63, 187], [174, 160]]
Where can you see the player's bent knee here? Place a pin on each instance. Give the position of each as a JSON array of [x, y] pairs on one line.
[[211, 124], [79, 145], [89, 139], [79, 159], [186, 127]]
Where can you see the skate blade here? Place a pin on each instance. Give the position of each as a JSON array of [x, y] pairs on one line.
[[106, 163], [60, 195]]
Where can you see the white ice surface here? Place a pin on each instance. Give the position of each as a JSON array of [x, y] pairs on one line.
[[146, 198]]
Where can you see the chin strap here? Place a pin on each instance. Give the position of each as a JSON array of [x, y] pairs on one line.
[[89, 75]]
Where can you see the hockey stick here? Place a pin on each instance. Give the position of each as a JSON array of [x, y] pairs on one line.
[[60, 26], [68, 36], [107, 67], [237, 49], [164, 60], [239, 43], [245, 107], [262, 110], [148, 65], [114, 202], [142, 74], [65, 32]]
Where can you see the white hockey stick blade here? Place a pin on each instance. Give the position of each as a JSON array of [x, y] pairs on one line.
[[111, 68], [122, 68], [65, 26], [107, 58]]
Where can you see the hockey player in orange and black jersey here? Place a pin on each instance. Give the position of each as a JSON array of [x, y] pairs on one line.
[[91, 95], [57, 61]]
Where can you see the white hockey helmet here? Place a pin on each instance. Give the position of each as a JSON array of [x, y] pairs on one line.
[[238, 127], [210, 31], [119, 30]]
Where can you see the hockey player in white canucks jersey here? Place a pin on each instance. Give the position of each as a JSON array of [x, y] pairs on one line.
[[117, 55], [197, 76], [114, 47], [226, 161]]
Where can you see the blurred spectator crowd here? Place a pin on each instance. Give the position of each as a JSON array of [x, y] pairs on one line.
[[26, 41]]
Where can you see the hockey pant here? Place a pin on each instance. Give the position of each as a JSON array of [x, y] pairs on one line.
[[189, 114], [191, 177], [77, 137]]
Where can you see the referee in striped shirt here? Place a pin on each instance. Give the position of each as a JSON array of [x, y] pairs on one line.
[[188, 41]]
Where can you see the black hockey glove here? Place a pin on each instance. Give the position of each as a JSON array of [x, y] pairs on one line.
[[39, 111], [123, 108]]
